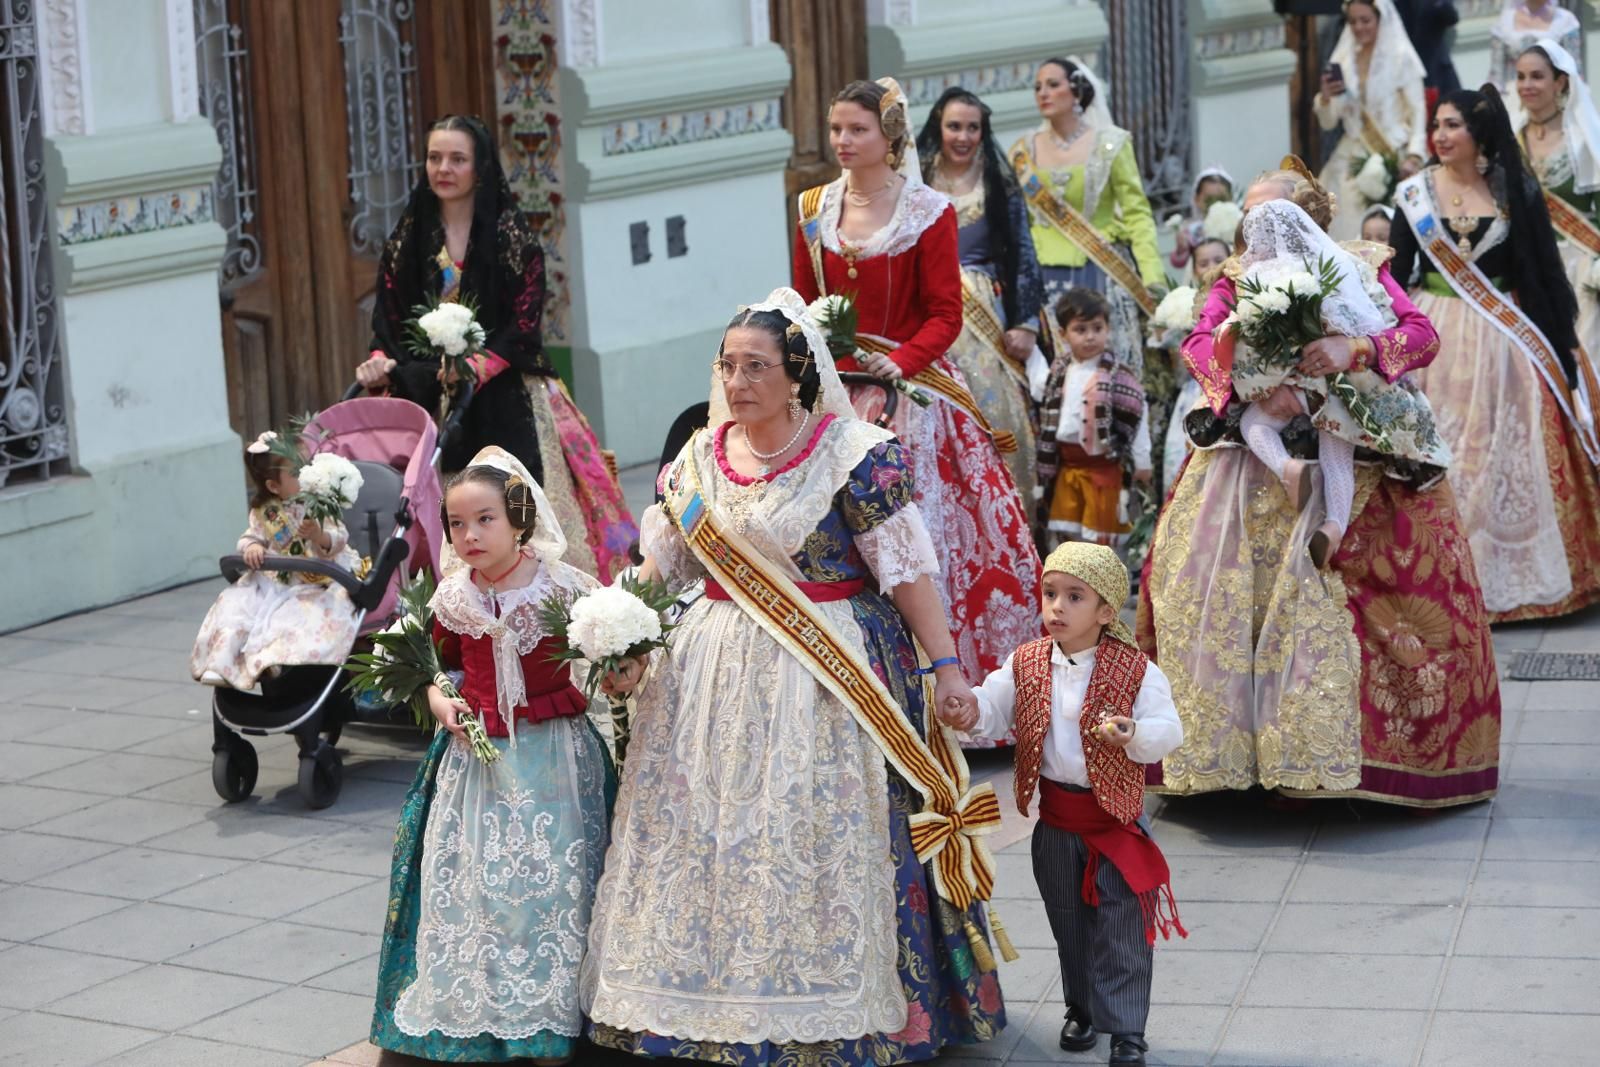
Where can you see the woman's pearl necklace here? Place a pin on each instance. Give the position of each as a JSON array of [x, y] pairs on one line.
[[768, 457], [1064, 143]]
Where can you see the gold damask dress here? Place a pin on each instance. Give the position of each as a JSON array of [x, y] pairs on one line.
[[1375, 679]]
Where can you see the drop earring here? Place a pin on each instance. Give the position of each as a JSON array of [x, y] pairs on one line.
[[794, 402], [1077, 107], [1482, 163]]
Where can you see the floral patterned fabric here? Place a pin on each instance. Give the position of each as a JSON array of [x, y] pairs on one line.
[[278, 619], [761, 902]]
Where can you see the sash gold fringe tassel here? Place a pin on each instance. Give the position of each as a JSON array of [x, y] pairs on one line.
[[1001, 938], [981, 956]]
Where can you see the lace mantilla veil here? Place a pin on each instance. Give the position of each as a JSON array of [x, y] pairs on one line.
[[1394, 61], [833, 398], [1580, 121], [1281, 239]]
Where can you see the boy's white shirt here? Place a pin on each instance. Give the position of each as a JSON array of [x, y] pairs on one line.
[[1158, 733], [1070, 427]]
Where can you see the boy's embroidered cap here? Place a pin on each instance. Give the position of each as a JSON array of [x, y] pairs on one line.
[[1099, 568]]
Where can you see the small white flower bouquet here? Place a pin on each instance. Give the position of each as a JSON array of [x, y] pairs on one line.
[[447, 331], [328, 485], [835, 315], [1275, 319], [1376, 177], [1591, 278], [1222, 221], [404, 661], [1174, 318], [607, 625]]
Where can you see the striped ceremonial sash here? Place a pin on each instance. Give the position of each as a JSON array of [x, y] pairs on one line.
[[1573, 224], [1373, 137], [1474, 287], [937, 381], [810, 215], [946, 833], [977, 308], [1077, 229]]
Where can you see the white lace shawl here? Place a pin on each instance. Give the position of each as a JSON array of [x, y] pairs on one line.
[[1281, 239], [918, 207], [1393, 91], [790, 509], [516, 628]]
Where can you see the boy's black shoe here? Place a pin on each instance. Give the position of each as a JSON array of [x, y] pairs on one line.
[[1078, 1033], [1127, 1050]]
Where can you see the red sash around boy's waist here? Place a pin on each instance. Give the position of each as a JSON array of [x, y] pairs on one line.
[[817, 592], [1131, 851]]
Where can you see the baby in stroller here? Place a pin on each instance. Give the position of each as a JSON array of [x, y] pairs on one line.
[[270, 618]]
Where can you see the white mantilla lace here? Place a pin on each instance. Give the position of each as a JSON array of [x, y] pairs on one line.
[[918, 208]]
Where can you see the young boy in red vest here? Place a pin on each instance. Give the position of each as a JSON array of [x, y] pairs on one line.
[[1089, 711]]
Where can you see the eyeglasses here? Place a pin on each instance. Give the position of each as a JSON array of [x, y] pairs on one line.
[[754, 370]]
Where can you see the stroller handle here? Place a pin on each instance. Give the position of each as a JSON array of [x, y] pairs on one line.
[[365, 595], [891, 395], [465, 389], [233, 566]]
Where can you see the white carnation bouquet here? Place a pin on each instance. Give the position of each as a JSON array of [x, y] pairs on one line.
[[1174, 317], [835, 315], [448, 331], [607, 625], [328, 485], [1275, 318], [1375, 177], [1222, 221]]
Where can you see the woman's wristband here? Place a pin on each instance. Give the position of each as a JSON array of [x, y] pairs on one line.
[[942, 661]]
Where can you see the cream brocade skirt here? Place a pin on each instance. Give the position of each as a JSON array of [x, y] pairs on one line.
[[1487, 401]]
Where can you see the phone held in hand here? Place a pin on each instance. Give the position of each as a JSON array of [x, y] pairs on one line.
[[1335, 73]]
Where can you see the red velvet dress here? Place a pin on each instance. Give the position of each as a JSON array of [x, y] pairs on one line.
[[907, 290], [551, 694]]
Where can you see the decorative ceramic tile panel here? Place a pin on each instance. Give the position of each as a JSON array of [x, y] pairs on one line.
[[125, 215], [1004, 78], [662, 131]]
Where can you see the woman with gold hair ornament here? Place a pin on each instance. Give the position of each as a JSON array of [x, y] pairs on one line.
[[880, 236], [763, 902], [1374, 678]]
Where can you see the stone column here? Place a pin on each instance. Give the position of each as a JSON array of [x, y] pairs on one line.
[[155, 494], [1240, 72]]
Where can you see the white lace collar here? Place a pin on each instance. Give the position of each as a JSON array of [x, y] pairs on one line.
[[917, 208]]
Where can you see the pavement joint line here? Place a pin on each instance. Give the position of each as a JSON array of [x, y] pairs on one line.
[[1455, 937], [1261, 945]]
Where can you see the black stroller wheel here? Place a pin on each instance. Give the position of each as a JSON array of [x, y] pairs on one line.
[[321, 776], [333, 732], [233, 771]]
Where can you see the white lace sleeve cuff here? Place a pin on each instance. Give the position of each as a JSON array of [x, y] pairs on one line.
[[660, 540], [898, 550]]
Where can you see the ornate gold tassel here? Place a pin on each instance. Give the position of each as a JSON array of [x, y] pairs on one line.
[[1001, 938], [981, 956]]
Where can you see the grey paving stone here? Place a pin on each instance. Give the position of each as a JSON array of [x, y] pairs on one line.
[[1562, 696], [1034, 975], [1013, 878], [139, 873], [1513, 695], [1533, 799], [1556, 932], [398, 769], [113, 773], [265, 890], [176, 635], [1540, 839], [123, 820], [189, 739], [27, 856], [282, 952], [1381, 880], [1580, 728], [1198, 977], [237, 832], [163, 997], [17, 650], [1446, 835], [178, 1051], [1561, 762], [29, 805], [1337, 980], [363, 910], [360, 978], [85, 628], [1483, 983], [96, 694], [20, 761], [195, 789], [191, 703], [145, 931], [1377, 929], [312, 1022], [1234, 879], [18, 686], [32, 976], [1566, 638], [1197, 826], [1321, 1037], [28, 912], [1027, 923], [1495, 1039], [1517, 635], [34, 1039], [1535, 883], [29, 723], [1217, 926], [1179, 1036], [366, 850], [83, 660], [106, 732]]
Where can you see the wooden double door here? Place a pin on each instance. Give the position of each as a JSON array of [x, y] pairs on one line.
[[320, 106]]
